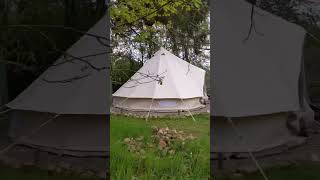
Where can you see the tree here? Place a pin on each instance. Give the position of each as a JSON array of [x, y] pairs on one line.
[[144, 25], [26, 51], [4, 8], [296, 11], [300, 12], [141, 27]]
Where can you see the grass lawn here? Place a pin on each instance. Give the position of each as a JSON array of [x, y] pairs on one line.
[[303, 171], [29, 173], [192, 161]]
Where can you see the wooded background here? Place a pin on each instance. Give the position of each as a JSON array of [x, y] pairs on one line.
[[139, 28]]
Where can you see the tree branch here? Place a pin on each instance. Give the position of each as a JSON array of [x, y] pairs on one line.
[[140, 18], [252, 22], [31, 26]]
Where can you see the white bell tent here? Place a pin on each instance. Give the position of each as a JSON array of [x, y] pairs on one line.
[[67, 104], [258, 80], [165, 83]]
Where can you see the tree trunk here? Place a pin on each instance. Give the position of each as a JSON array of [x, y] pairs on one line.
[[174, 40], [71, 12], [3, 85], [75, 11], [100, 8], [186, 54], [4, 9], [3, 69], [67, 20], [108, 59]]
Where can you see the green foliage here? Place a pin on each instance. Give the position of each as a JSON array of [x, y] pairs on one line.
[[291, 11], [130, 13], [140, 27], [122, 69], [27, 50]]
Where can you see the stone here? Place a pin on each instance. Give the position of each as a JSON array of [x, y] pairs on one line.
[[102, 174], [315, 158], [142, 151], [88, 173], [237, 175], [126, 140], [162, 144], [51, 167], [65, 165], [140, 138], [171, 152]]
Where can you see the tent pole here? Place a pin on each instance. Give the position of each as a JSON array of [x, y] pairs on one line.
[[149, 110], [5, 149], [249, 151], [189, 111]]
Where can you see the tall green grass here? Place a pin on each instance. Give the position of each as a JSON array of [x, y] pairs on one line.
[[189, 162]]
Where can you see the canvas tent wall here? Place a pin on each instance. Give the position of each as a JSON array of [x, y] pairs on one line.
[[179, 86], [257, 81], [312, 56], [76, 90]]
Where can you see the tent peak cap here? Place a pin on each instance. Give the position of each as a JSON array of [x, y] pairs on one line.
[[163, 50]]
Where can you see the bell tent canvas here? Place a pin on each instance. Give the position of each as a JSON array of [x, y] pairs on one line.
[[164, 84], [67, 105], [258, 80]]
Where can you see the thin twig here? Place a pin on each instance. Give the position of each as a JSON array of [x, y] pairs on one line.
[[54, 47], [66, 80], [56, 27], [252, 22]]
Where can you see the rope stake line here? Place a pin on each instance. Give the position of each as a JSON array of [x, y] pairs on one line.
[[262, 172], [5, 111], [189, 111], [149, 110], [118, 105], [8, 147], [317, 122]]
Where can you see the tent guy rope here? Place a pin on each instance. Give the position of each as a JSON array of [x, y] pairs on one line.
[[149, 110], [5, 111], [189, 111], [118, 105], [236, 130], [8, 147]]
